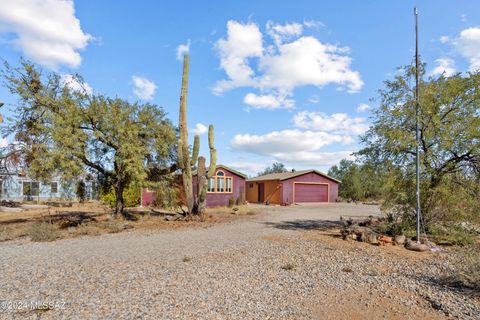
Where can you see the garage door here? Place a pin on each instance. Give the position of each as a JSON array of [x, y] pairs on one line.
[[305, 192]]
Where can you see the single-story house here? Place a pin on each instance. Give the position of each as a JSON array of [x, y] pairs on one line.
[[292, 187], [225, 184], [19, 187]]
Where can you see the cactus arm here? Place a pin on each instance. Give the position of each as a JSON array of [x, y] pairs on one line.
[[213, 163], [196, 149], [210, 137]]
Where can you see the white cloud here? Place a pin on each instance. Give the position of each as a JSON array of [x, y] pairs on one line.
[[362, 107], [143, 88], [337, 122], [182, 50], [250, 168], [445, 66], [200, 129], [468, 44], [46, 31], [286, 141], [313, 24], [314, 159], [305, 144], [314, 99], [268, 101], [280, 33], [75, 85], [243, 41], [276, 70], [444, 39]]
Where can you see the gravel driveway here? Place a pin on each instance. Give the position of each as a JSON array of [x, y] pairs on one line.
[[281, 263]]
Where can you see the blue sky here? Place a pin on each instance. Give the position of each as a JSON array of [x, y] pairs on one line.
[[280, 80]]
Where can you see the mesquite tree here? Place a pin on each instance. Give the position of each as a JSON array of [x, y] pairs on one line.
[[195, 202], [60, 130]]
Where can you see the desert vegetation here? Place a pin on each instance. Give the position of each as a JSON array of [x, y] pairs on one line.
[[384, 170]]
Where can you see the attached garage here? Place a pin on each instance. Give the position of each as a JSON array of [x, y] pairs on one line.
[[292, 187]]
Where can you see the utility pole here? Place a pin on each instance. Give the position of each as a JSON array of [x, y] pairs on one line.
[[417, 131]]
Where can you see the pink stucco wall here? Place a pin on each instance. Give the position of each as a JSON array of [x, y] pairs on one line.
[[222, 199], [148, 197], [287, 186]]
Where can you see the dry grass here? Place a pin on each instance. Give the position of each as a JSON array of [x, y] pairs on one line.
[[91, 219], [43, 232]]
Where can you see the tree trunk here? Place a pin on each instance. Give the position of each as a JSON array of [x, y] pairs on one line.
[[119, 203]]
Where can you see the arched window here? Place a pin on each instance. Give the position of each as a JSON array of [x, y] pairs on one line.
[[220, 183]]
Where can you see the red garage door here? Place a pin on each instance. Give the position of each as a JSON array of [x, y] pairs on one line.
[[306, 192]]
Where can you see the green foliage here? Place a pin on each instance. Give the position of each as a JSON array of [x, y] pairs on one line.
[[276, 167], [167, 194], [81, 191], [67, 131], [359, 181], [449, 122], [131, 196]]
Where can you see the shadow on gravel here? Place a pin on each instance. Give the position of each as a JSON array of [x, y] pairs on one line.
[[450, 284], [321, 225]]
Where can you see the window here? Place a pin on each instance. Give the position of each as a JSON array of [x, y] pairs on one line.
[[220, 183], [211, 185], [53, 187], [250, 185], [229, 185], [31, 188]]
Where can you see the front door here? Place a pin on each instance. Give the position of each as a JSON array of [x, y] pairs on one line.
[[261, 192]]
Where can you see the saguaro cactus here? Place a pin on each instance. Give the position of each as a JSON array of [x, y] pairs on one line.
[[195, 203]]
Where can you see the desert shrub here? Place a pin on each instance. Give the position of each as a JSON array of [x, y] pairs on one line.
[[231, 202], [167, 194], [111, 226], [131, 196], [42, 232], [81, 191], [4, 234]]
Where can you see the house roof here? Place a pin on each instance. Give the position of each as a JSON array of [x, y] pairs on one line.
[[232, 170], [238, 173], [288, 175]]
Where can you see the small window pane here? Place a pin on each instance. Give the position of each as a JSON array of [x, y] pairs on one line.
[[211, 185], [54, 187], [220, 184], [35, 188], [220, 173], [229, 184]]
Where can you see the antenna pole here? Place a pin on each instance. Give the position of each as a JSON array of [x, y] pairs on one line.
[[417, 131]]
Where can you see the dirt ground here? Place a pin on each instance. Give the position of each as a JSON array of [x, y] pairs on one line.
[[93, 218], [280, 263]]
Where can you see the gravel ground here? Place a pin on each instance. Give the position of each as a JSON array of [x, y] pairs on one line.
[[280, 264]]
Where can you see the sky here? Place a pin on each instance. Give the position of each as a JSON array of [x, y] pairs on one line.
[[287, 81]]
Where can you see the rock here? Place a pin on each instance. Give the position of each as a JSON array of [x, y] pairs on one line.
[[385, 239], [400, 239], [414, 246]]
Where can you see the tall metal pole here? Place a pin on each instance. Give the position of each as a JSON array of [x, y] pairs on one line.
[[417, 105]]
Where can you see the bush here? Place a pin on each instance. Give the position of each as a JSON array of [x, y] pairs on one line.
[[81, 190], [131, 197], [42, 232], [231, 202], [167, 195]]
